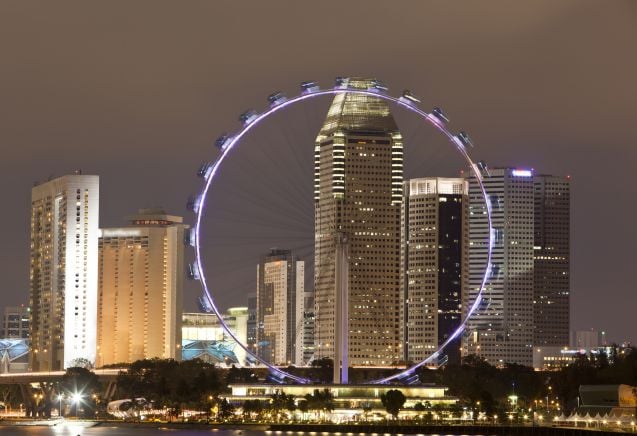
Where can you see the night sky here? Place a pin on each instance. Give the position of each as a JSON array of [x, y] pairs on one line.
[[138, 91]]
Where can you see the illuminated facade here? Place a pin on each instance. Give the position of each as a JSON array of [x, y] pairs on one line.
[[358, 191], [501, 331], [308, 328], [141, 275], [63, 271], [15, 323], [434, 250], [203, 337], [552, 276], [280, 307]]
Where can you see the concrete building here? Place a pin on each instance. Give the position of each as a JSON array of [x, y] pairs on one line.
[[15, 323], [280, 307], [308, 328], [552, 275], [358, 167], [63, 271], [501, 331], [203, 337], [434, 255], [141, 278], [588, 339], [251, 341]]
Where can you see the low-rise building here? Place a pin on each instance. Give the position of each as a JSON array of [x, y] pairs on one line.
[[349, 400], [556, 358], [203, 337]]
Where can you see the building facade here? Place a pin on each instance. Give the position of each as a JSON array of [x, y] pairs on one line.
[[552, 275], [308, 328], [15, 323], [141, 277], [357, 193], [203, 337], [63, 271], [501, 331], [280, 307], [434, 255]]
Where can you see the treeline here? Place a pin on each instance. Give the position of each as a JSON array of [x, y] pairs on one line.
[[172, 384], [476, 381]]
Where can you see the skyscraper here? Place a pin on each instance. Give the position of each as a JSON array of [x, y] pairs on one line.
[[501, 331], [434, 250], [551, 299], [141, 275], [63, 271], [280, 307], [358, 176]]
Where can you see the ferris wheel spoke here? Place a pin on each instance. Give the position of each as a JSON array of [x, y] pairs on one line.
[[292, 195]]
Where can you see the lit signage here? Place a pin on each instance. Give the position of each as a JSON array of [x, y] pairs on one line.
[[522, 173]]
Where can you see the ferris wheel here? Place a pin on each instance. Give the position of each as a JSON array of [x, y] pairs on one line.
[[278, 102]]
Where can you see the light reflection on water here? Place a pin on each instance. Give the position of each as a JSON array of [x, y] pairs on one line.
[[103, 430], [69, 429]]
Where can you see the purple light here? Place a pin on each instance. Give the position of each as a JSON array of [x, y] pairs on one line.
[[254, 121], [522, 173]]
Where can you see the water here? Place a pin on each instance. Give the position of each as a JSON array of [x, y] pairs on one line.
[[104, 430], [70, 429]]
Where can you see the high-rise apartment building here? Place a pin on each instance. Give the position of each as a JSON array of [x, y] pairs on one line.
[[501, 331], [63, 271], [552, 276], [141, 277], [434, 255], [15, 323], [358, 191], [280, 307]]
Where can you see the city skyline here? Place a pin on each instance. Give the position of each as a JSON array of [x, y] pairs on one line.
[[550, 125]]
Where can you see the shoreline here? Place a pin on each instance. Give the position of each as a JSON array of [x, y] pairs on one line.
[[311, 428]]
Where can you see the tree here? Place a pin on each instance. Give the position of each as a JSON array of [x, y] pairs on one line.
[[251, 408], [393, 400], [324, 369], [320, 400], [81, 384], [226, 410], [281, 401], [81, 362]]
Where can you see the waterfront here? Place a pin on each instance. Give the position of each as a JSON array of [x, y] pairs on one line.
[[85, 428]]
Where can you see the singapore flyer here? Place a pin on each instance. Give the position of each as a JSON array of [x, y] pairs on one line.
[[340, 326]]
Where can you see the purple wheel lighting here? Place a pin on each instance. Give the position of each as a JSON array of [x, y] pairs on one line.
[[232, 141]]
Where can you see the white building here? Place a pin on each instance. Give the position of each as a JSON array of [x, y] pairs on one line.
[[434, 258], [501, 331], [63, 271], [280, 307]]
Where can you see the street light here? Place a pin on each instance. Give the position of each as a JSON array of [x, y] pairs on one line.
[[77, 399], [60, 400]]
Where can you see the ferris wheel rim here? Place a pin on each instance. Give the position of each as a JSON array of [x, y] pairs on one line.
[[258, 118]]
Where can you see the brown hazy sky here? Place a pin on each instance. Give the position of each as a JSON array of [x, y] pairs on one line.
[[136, 91]]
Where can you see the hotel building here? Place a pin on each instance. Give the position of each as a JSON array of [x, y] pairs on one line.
[[141, 277], [63, 271]]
